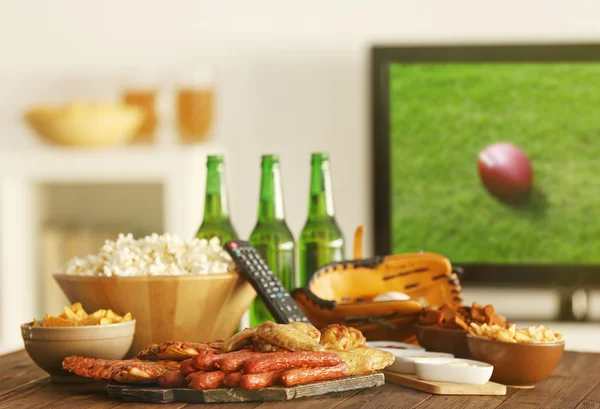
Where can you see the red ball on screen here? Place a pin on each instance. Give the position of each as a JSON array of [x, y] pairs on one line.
[[505, 171]]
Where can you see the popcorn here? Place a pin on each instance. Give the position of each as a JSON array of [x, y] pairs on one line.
[[154, 255]]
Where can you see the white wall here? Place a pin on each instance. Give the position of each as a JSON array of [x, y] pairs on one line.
[[292, 74]]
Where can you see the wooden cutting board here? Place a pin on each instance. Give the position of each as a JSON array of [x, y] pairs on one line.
[[444, 388], [133, 393]]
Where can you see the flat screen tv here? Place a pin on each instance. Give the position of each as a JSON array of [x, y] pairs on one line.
[[490, 155]]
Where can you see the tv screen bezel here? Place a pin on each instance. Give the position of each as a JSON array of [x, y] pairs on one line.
[[382, 56]]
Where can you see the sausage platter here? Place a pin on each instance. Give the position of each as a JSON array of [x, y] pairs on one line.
[[138, 393]]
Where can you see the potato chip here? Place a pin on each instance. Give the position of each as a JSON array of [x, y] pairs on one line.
[[533, 334], [91, 320], [75, 315], [76, 307], [106, 321], [505, 337], [70, 315], [476, 328], [522, 336], [94, 318], [51, 321], [81, 314]]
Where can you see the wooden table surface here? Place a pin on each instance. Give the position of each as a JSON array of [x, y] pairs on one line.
[[574, 384]]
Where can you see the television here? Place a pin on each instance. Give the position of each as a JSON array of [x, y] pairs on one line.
[[490, 155]]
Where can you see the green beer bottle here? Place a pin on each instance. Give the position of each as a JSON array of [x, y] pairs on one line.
[[216, 221], [321, 240], [271, 236]]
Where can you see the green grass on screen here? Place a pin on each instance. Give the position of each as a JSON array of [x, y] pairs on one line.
[[443, 115]]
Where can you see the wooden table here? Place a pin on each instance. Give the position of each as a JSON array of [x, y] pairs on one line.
[[574, 384]]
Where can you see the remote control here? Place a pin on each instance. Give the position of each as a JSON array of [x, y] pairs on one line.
[[268, 287]]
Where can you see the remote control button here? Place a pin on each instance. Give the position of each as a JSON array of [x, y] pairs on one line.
[[233, 245], [288, 308], [272, 295]]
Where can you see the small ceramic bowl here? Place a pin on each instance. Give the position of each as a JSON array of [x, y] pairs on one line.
[[47, 347], [406, 363], [453, 370], [519, 365], [451, 341]]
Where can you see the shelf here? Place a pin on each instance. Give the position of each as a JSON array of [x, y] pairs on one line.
[[131, 163]]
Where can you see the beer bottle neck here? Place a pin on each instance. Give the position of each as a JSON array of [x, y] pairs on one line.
[[270, 207], [216, 203], [320, 206]]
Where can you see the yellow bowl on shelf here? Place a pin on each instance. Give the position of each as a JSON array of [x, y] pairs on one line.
[[191, 308], [86, 124]]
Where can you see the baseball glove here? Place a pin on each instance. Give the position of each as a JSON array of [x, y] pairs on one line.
[[343, 292]]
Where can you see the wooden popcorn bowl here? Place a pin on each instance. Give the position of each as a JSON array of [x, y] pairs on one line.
[[185, 308]]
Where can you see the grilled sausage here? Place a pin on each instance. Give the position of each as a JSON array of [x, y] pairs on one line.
[[209, 362], [235, 362], [207, 380], [232, 379], [172, 379], [187, 368], [191, 376], [301, 376], [260, 380], [275, 361], [206, 362]]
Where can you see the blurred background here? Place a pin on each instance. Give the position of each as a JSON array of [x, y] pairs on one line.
[[268, 76]]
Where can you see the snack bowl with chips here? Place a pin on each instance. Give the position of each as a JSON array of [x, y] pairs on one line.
[[521, 358], [101, 335], [445, 329]]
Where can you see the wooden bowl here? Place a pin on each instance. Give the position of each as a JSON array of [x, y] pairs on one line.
[[47, 347], [184, 308], [436, 339], [518, 365]]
